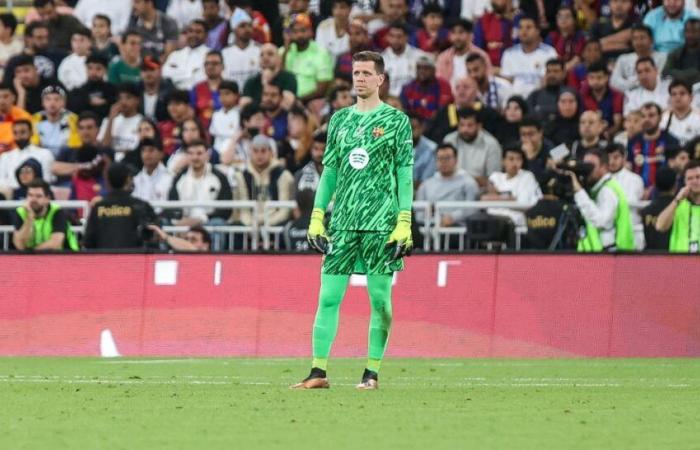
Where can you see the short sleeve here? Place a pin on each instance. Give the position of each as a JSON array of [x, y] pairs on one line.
[[17, 221], [330, 155], [403, 142], [59, 222]]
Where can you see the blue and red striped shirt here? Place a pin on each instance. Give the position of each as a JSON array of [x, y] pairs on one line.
[[426, 99], [648, 156]]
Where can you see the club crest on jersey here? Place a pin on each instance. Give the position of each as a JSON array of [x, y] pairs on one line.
[[358, 158], [378, 132]]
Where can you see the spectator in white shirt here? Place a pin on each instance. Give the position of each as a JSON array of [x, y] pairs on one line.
[[227, 120], [237, 149], [494, 91], [631, 126], [72, 71], [624, 75], [513, 184], [242, 59], [153, 182], [332, 33], [200, 182], [185, 67], [118, 12], [10, 161], [632, 184], [183, 11], [651, 88], [120, 130], [681, 120], [400, 58], [524, 63], [474, 9]]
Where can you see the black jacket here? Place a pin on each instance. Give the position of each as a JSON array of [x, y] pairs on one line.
[[86, 97], [118, 221]]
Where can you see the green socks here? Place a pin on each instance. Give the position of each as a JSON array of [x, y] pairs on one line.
[[379, 288], [333, 289]]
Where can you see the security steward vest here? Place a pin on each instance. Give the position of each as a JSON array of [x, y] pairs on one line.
[[624, 234], [685, 234], [43, 228]]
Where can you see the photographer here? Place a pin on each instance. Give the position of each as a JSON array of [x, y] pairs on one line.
[[604, 208], [682, 215], [196, 239], [119, 220]]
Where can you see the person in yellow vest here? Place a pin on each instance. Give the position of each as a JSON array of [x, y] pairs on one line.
[[54, 126], [42, 225], [604, 208], [682, 215]]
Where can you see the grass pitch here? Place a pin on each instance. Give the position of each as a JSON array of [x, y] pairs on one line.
[[423, 404]]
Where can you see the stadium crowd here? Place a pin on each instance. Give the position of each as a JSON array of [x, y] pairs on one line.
[[127, 102]]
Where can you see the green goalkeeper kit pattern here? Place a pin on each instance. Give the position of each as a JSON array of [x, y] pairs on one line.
[[366, 149], [360, 252]]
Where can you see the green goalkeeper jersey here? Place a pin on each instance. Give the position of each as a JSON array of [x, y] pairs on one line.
[[366, 148]]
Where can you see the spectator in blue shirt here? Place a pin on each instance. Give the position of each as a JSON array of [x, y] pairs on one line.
[[667, 22], [423, 152]]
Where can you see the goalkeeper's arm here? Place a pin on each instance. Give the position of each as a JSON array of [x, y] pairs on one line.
[[317, 237], [401, 236]]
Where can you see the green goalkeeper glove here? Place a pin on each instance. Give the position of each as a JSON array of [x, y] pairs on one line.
[[400, 239], [316, 235]]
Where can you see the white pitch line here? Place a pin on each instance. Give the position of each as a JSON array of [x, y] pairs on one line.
[[192, 380], [152, 361]]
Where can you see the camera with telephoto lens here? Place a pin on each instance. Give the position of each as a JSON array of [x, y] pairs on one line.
[[563, 186]]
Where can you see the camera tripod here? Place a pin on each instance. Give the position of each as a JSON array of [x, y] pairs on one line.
[[569, 217]]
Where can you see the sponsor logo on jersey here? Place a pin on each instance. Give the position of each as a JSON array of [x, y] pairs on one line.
[[358, 158]]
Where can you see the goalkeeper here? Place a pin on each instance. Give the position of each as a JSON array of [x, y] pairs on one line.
[[368, 165]]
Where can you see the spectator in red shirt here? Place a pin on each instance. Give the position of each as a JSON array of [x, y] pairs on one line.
[[432, 37], [204, 96], [493, 32], [592, 52], [567, 39], [427, 93], [179, 110], [359, 39], [597, 95], [392, 11]]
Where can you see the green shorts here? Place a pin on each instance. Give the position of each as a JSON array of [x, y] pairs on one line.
[[361, 252]]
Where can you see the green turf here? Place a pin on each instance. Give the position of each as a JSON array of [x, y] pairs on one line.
[[422, 404]]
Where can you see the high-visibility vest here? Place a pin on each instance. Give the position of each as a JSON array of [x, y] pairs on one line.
[[624, 233], [686, 228], [43, 228]]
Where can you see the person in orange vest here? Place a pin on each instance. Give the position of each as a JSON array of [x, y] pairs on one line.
[[9, 114]]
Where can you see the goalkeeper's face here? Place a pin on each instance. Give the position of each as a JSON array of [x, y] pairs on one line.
[[365, 79]]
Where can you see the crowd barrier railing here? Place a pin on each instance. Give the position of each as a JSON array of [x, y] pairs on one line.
[[435, 236]]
